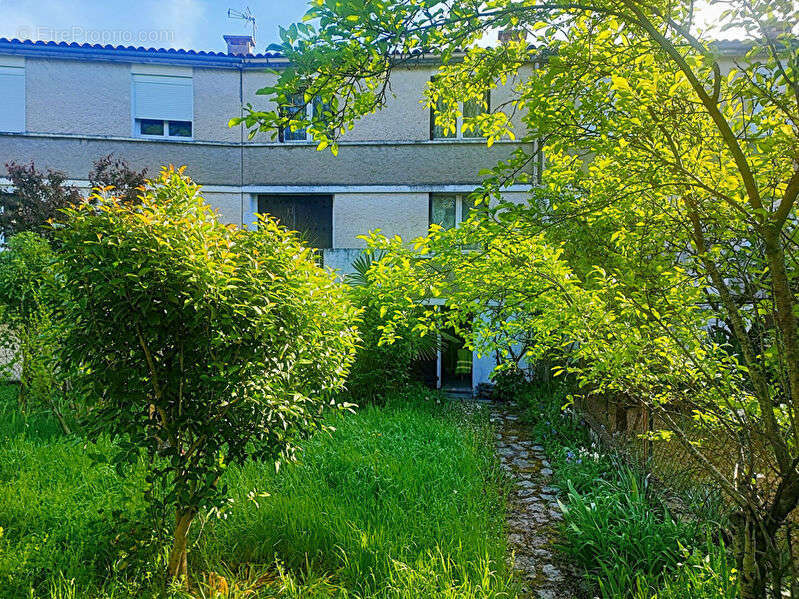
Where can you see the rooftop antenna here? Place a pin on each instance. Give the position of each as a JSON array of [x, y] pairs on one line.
[[244, 15]]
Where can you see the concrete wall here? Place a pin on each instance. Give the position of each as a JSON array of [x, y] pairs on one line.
[[404, 117], [207, 164], [67, 96], [216, 101], [423, 163], [228, 204], [403, 214]]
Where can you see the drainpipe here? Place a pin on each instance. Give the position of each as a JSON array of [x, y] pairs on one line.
[[241, 144]]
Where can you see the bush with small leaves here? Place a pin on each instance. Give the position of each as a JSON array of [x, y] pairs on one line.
[[205, 344]]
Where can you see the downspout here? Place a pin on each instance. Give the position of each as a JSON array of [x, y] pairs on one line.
[[241, 143]]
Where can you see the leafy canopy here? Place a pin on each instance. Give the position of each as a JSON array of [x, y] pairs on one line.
[[204, 343], [657, 259]]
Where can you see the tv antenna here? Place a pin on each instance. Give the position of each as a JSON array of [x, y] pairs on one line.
[[243, 15]]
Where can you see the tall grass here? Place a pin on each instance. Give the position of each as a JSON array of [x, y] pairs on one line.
[[619, 528], [401, 495], [400, 502]]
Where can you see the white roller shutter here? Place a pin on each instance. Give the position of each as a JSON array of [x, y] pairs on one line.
[[12, 99], [163, 97]]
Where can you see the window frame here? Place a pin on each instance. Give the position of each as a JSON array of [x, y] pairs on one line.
[[138, 133], [460, 197], [474, 135], [155, 74], [310, 111]]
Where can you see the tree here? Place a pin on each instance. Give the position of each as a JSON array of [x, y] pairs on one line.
[[204, 344], [124, 182], [34, 200], [668, 203]]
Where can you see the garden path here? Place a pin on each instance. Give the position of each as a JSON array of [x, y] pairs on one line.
[[534, 514]]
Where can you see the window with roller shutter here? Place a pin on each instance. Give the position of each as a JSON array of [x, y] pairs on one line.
[[163, 106], [12, 96]]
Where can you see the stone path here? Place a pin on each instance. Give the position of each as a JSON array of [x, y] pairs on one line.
[[534, 514]]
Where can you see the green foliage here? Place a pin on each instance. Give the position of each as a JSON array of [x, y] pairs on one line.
[[34, 200], [26, 277], [353, 491], [204, 344], [617, 524], [28, 333], [59, 510], [380, 369], [668, 203], [510, 384], [620, 522], [335, 524]]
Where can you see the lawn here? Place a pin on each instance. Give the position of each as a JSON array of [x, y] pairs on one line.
[[401, 501]]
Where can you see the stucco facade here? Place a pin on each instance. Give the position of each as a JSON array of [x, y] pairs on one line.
[[81, 104]]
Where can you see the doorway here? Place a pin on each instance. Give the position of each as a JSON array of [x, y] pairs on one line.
[[455, 363]]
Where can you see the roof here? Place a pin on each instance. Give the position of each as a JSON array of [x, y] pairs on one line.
[[194, 58], [109, 53]]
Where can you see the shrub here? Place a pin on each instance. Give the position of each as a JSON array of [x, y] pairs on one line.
[[381, 368], [125, 182], [509, 384], [205, 344], [35, 198], [28, 292]]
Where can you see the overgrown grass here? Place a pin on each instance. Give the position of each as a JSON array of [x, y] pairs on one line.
[[618, 526], [401, 501]]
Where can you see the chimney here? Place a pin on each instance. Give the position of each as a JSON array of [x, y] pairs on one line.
[[511, 35], [240, 45]]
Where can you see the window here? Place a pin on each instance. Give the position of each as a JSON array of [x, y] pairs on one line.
[[469, 110], [163, 105], [12, 92], [449, 209], [309, 214], [311, 110]]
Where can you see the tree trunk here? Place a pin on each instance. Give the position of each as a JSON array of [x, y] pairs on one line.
[[752, 552], [178, 567]]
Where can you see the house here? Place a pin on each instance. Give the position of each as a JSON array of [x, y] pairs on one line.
[[65, 105]]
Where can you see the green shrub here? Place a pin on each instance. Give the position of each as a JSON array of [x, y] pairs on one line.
[[205, 343], [381, 369], [509, 384], [28, 333]]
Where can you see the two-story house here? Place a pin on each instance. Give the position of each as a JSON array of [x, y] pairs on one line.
[[62, 106]]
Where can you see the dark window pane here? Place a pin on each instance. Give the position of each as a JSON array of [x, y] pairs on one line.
[[310, 215], [180, 128], [151, 127], [296, 110], [442, 210]]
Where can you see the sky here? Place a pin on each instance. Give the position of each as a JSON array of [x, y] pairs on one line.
[[188, 24]]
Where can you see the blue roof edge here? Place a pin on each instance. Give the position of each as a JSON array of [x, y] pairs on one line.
[[195, 58], [64, 50]]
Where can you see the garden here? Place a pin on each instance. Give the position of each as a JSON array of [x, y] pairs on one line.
[[198, 410]]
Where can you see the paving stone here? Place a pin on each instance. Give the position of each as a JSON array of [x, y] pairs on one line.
[[534, 511]]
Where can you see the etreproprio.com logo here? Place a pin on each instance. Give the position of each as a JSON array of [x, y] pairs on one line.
[[85, 35]]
